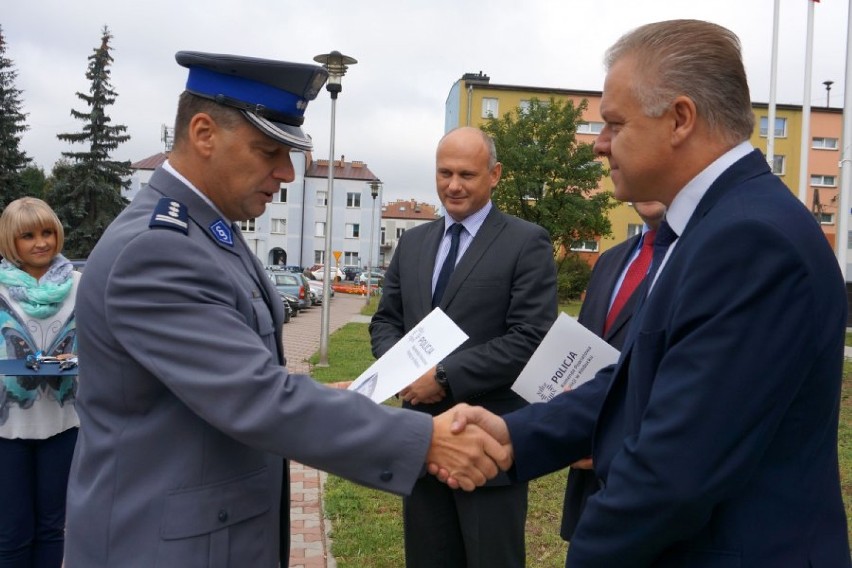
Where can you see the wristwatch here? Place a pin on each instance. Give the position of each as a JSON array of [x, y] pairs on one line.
[[441, 377]]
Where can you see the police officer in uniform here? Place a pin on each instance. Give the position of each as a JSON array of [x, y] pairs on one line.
[[185, 407]]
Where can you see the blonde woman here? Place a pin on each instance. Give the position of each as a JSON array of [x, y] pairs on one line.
[[38, 423]]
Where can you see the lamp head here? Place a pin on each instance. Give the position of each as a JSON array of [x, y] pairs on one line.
[[374, 187], [336, 64]]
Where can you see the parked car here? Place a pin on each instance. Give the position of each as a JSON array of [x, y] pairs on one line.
[[291, 304], [316, 297], [318, 273], [351, 272], [287, 268], [377, 279], [288, 311], [293, 285], [316, 288]]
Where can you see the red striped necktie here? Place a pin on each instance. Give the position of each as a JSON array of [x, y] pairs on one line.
[[635, 273]]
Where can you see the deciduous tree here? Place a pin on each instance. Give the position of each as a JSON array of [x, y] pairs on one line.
[[549, 177]]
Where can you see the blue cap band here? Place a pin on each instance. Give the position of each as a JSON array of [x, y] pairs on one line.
[[204, 82]]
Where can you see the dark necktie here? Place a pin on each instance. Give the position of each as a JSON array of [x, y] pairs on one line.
[[449, 264], [632, 278], [665, 237]]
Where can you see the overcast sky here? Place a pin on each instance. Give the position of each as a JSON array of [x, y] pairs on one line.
[[391, 111]]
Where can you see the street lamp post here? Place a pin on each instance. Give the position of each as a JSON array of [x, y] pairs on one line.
[[336, 63], [828, 85], [374, 191]]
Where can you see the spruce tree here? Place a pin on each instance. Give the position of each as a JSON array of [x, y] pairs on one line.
[[86, 188], [12, 124]]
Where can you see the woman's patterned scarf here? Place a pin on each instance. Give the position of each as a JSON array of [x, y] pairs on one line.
[[38, 298]]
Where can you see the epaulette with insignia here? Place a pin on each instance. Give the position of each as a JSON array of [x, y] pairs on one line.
[[170, 214]]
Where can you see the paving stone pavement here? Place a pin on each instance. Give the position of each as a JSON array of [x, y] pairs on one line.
[[309, 530]]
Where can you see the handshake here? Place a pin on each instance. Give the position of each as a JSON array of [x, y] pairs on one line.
[[470, 445]]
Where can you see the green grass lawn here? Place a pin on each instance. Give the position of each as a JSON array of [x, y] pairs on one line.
[[367, 526]]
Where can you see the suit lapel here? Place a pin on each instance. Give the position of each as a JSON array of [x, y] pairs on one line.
[[426, 263], [483, 240], [751, 165]]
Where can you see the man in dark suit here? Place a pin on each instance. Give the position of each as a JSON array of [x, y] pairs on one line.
[[502, 293], [187, 409], [611, 296], [714, 437]]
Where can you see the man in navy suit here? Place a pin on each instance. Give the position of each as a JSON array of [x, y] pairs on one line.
[[714, 437]]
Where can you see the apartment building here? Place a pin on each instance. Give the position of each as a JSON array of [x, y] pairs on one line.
[[400, 216], [292, 229]]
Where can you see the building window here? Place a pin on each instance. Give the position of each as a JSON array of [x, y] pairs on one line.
[[350, 258], [281, 197], [523, 106], [584, 246], [399, 231], [780, 126], [353, 199], [382, 237], [319, 229], [779, 164], [489, 108], [247, 226], [824, 181], [589, 127], [322, 198], [278, 226], [633, 230], [319, 255], [824, 143], [353, 230], [825, 218]]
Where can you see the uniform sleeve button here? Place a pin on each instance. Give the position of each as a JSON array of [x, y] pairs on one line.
[[223, 515], [386, 475]]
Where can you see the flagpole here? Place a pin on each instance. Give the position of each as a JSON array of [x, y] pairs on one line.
[[845, 158], [773, 78], [804, 175]]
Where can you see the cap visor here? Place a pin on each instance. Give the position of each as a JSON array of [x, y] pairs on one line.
[[288, 135]]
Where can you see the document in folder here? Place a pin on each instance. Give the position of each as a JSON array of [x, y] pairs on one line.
[[568, 356], [426, 345]]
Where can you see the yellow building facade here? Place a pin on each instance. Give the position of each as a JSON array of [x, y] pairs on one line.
[[473, 99]]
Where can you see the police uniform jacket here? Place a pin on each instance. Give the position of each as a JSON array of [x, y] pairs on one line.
[[186, 409]]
